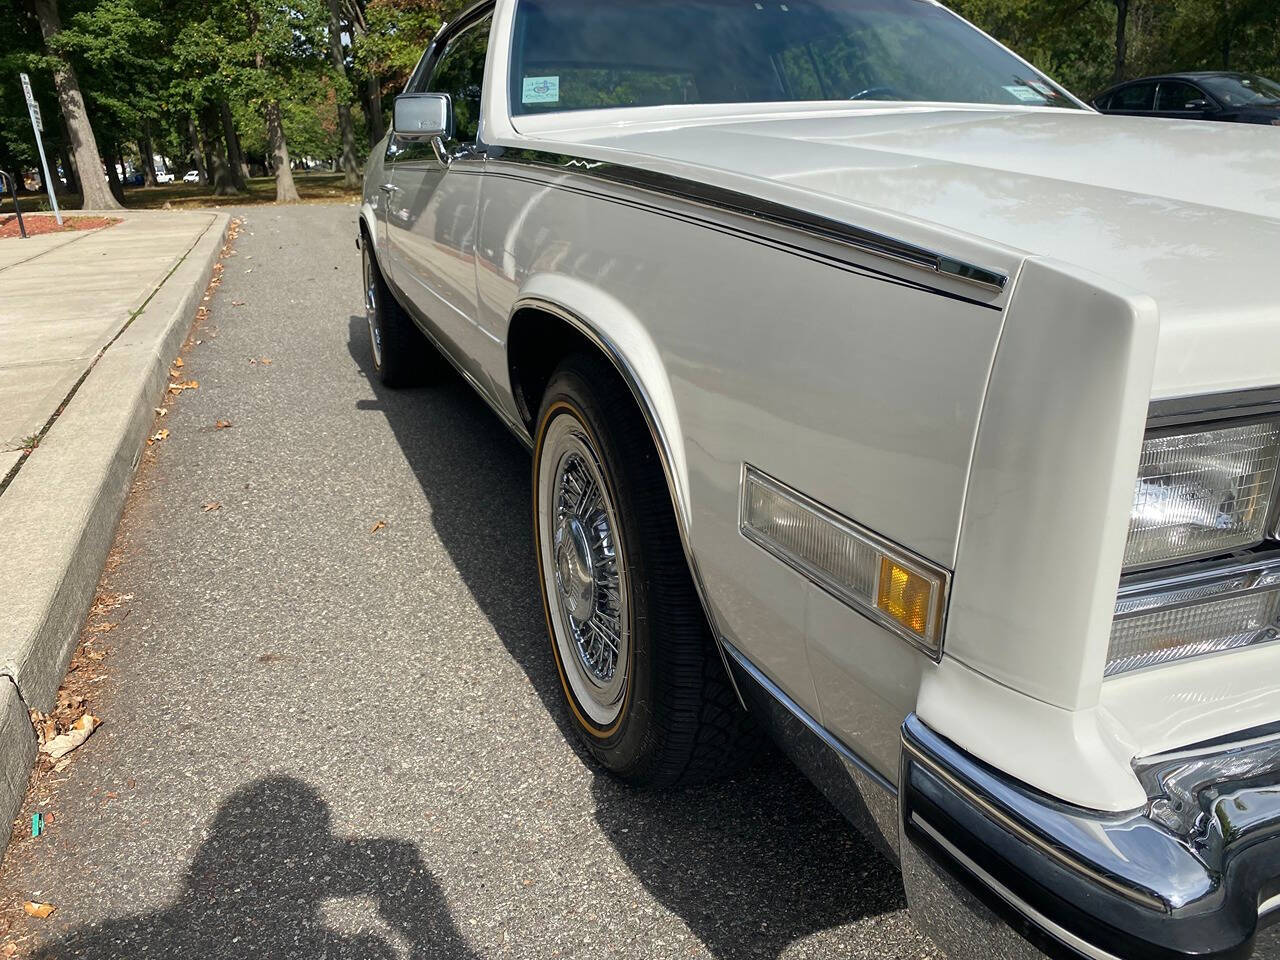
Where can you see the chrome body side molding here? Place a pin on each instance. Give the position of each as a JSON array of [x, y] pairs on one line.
[[660, 440], [755, 208], [864, 796]]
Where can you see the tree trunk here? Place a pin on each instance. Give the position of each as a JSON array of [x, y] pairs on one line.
[[1122, 26], [113, 177], [215, 154], [197, 152], [69, 171], [83, 143], [373, 109], [148, 157], [286, 191], [350, 165], [239, 172]]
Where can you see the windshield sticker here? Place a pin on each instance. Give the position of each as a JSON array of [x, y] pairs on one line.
[[541, 90], [1025, 94]]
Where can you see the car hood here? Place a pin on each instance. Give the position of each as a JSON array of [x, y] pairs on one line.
[[1185, 211]]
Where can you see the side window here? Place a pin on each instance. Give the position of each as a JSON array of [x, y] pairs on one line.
[[1140, 96], [460, 73], [1174, 96]]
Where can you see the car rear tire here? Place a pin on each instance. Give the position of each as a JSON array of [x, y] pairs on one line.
[[402, 356], [645, 687]]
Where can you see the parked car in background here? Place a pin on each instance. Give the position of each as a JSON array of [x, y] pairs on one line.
[[165, 178], [883, 395], [1223, 96], [191, 176]]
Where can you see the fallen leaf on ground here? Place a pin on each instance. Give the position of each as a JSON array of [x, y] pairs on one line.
[[38, 910], [265, 360], [177, 361], [378, 526], [9, 950], [222, 424], [237, 303], [59, 747], [176, 388], [212, 505], [161, 412], [157, 437], [46, 728]]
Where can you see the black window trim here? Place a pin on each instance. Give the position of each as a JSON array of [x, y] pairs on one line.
[[436, 48]]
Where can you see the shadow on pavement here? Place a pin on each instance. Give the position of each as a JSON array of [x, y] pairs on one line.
[[258, 885], [751, 865]]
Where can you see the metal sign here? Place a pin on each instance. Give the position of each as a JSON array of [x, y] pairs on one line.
[[37, 124]]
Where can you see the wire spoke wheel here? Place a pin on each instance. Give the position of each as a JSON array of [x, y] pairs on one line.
[[645, 687], [585, 569], [371, 306]]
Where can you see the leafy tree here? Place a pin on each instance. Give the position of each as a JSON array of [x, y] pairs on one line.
[[84, 144]]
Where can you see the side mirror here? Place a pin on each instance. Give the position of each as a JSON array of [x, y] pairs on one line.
[[423, 116]]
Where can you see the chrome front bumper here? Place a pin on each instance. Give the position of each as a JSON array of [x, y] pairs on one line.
[[995, 869]]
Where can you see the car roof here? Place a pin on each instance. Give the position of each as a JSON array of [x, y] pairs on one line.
[[1156, 77]]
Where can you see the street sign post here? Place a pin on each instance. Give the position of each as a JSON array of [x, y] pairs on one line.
[[37, 125]]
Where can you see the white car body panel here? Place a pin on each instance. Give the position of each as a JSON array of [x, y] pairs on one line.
[[995, 433]]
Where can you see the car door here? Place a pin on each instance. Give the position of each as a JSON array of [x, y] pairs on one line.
[[1135, 100], [1180, 99], [434, 193]]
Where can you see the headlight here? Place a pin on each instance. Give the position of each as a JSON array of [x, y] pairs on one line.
[[1202, 493]]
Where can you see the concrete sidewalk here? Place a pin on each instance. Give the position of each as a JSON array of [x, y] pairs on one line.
[[89, 323], [64, 296]]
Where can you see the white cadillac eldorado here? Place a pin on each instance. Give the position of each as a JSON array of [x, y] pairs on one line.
[[883, 396]]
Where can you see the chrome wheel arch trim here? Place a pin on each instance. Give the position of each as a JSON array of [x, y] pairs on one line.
[[661, 441]]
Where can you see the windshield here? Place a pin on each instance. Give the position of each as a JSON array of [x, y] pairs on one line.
[[593, 54], [1244, 90]]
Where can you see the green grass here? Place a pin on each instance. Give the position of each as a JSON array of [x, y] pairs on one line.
[[312, 187]]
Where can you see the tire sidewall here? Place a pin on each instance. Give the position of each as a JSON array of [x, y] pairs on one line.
[[379, 311], [624, 744]]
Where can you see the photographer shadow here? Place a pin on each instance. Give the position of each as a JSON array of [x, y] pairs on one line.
[[259, 884], [753, 865]]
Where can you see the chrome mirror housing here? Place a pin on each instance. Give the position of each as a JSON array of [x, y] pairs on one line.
[[423, 116]]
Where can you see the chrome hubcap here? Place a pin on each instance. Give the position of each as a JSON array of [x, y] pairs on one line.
[[575, 569], [585, 568], [371, 309]]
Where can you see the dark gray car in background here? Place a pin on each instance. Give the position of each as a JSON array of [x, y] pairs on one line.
[[1208, 95]]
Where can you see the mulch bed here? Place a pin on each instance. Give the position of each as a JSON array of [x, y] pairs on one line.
[[43, 223]]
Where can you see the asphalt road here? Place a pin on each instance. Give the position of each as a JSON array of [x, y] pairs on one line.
[[322, 740]]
